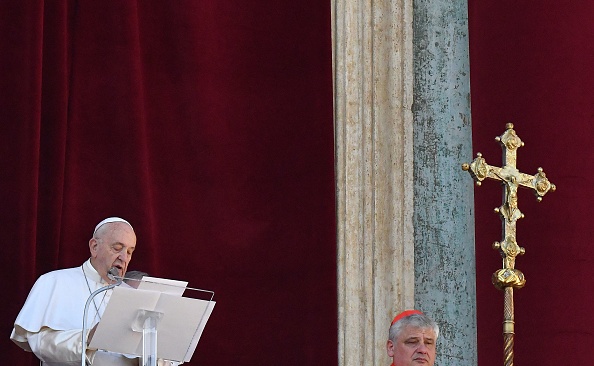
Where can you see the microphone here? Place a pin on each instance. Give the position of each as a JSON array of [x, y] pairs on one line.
[[113, 274]]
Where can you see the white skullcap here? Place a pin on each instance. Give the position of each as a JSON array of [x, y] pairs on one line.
[[109, 220]]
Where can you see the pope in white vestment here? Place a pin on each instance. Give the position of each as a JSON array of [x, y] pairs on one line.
[[51, 320]]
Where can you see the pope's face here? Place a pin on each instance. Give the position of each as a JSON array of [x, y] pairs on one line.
[[112, 246], [413, 347]]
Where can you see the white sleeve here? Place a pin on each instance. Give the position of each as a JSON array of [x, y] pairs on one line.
[[58, 345]]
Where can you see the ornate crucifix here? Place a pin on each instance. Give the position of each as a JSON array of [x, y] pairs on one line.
[[509, 277]]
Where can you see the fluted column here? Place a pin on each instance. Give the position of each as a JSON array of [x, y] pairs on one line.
[[373, 79]]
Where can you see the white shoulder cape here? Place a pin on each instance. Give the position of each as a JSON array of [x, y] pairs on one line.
[[56, 301]]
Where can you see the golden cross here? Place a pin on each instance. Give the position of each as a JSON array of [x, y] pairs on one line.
[[511, 178]]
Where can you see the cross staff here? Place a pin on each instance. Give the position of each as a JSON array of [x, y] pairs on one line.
[[509, 277]]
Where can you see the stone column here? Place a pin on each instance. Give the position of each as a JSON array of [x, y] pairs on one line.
[[374, 171], [444, 200], [376, 182]]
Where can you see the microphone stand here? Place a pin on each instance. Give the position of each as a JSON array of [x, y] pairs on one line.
[[86, 310]]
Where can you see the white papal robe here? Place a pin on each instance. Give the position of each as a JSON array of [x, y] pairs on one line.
[[50, 322]]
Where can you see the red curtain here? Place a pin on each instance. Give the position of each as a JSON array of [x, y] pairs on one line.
[[208, 125], [531, 64]]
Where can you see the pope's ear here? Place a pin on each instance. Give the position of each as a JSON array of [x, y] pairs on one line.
[[93, 243]]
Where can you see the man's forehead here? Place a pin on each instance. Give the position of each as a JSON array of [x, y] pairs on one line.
[[115, 239], [115, 230], [127, 245], [417, 332]]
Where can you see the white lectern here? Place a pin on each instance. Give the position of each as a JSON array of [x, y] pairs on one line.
[[153, 322]]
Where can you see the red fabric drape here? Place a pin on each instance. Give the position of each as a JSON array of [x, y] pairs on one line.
[[208, 125], [531, 64]]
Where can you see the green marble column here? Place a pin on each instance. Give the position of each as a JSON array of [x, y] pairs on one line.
[[443, 205]]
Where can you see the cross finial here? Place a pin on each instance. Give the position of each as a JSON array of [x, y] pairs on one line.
[[511, 178]]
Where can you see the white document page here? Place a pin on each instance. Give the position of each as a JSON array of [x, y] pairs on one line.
[[173, 287]]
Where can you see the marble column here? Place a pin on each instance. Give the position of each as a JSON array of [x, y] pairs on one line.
[[445, 276], [374, 170], [404, 207]]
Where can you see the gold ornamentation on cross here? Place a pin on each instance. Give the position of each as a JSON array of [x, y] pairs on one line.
[[511, 178]]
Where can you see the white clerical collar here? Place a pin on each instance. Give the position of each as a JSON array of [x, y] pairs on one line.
[[91, 273]]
